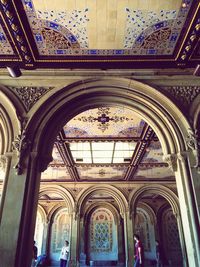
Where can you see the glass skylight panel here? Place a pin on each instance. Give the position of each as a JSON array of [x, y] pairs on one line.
[[125, 146], [118, 160], [80, 146], [86, 160], [102, 146], [102, 154], [124, 154], [102, 160]]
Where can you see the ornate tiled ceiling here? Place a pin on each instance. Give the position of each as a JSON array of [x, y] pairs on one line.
[[105, 27], [68, 33], [107, 144]]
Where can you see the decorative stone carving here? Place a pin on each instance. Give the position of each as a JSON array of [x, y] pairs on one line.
[[20, 145], [193, 143], [183, 94], [171, 160], [191, 140], [30, 95]]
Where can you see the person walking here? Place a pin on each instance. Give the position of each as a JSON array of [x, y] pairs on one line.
[[138, 252], [64, 254]]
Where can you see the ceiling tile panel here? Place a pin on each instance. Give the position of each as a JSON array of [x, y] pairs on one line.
[[106, 27], [5, 47], [105, 122], [153, 172], [102, 172]]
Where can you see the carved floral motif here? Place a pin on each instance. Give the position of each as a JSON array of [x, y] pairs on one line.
[[20, 145], [30, 95], [183, 94]]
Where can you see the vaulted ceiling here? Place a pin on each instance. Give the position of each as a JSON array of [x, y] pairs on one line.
[[100, 34]]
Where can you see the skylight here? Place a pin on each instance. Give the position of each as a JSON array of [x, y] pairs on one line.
[[102, 152]]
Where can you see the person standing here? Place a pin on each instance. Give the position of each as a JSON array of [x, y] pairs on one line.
[[35, 252], [64, 254], [158, 254], [138, 252]]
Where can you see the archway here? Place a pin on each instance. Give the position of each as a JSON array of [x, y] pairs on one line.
[[162, 115], [168, 225]]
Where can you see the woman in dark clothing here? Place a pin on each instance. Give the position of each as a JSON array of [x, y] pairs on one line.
[[138, 252]]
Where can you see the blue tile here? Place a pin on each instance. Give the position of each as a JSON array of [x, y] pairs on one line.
[[151, 51], [53, 25], [92, 52], [173, 37], [118, 52], [2, 37], [72, 38], [60, 52], [140, 39], [29, 4], [38, 38]]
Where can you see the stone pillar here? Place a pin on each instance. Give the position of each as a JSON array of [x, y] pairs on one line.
[[187, 208], [82, 242], [182, 240], [5, 161], [193, 145], [121, 252], [74, 242], [19, 213], [45, 240], [128, 236]]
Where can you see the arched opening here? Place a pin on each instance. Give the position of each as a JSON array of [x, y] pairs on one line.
[[158, 222], [102, 227], [161, 118]]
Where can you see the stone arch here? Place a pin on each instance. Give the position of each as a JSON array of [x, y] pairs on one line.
[[61, 191], [149, 210], [109, 206], [43, 213], [54, 211], [164, 191], [113, 191], [9, 122], [162, 115]]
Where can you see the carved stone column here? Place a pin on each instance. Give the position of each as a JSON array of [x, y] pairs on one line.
[[5, 161], [193, 145], [46, 237], [74, 242], [20, 209], [121, 252], [187, 208], [182, 240], [128, 236], [82, 242]]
